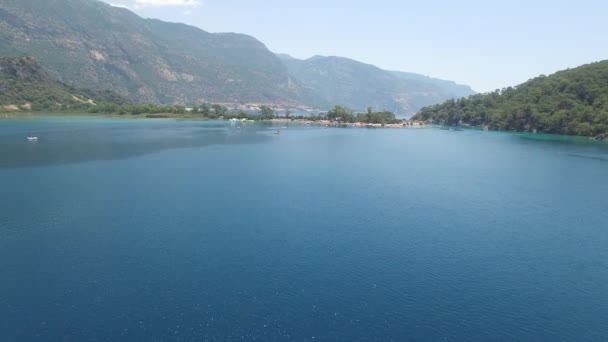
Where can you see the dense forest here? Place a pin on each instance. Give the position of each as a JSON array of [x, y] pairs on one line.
[[573, 101]]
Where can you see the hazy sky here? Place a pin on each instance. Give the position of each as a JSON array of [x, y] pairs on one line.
[[484, 44]]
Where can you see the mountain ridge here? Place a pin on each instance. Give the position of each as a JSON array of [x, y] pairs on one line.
[[329, 80], [148, 60], [91, 44]]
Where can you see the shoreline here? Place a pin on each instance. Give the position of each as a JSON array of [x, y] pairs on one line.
[[329, 123], [197, 117], [321, 123]]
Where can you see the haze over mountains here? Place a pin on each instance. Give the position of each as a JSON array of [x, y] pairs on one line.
[[90, 44], [336, 80]]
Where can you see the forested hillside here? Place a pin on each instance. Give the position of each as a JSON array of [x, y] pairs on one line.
[[573, 101]]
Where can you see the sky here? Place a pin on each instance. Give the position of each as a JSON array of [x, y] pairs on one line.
[[484, 44]]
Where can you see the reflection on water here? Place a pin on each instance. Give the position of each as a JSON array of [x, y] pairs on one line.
[[573, 146], [602, 157], [78, 140], [555, 138]]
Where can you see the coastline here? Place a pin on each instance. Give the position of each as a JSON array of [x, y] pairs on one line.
[[329, 123], [410, 124], [198, 117]]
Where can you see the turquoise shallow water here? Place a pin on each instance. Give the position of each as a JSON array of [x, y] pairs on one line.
[[145, 230]]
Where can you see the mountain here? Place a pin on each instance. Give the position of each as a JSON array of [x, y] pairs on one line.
[[336, 80], [24, 84], [90, 44], [449, 88], [573, 101]]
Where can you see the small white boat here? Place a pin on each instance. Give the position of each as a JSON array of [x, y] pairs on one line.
[[32, 138]]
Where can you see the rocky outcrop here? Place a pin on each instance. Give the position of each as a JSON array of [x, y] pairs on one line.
[[603, 136]]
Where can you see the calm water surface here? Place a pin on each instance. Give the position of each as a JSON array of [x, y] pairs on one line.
[[160, 230]]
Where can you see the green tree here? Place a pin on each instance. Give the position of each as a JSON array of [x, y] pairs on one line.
[[267, 112], [219, 110], [205, 110], [339, 113]]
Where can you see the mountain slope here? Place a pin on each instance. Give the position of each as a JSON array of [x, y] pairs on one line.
[[448, 88], [24, 84], [335, 80], [92, 44], [573, 101]]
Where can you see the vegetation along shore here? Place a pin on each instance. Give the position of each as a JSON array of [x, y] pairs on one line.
[[571, 102]]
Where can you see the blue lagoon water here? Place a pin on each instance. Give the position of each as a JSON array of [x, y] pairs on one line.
[[162, 230]]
